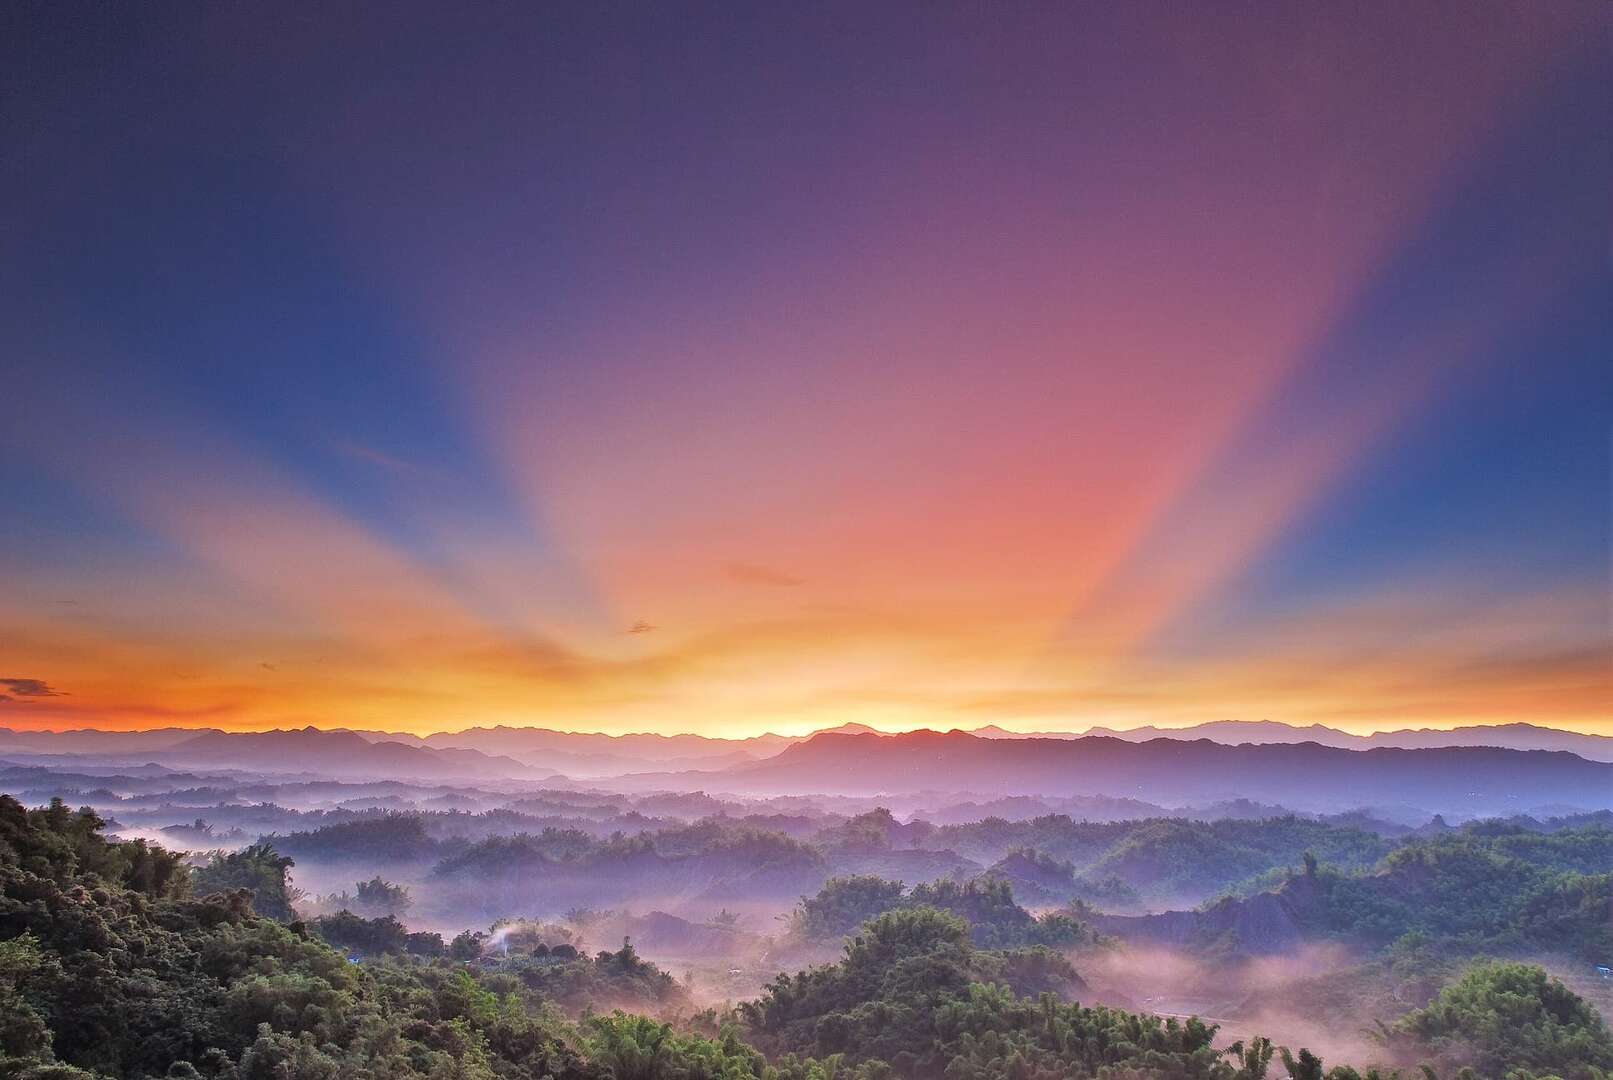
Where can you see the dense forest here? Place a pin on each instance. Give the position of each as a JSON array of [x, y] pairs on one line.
[[1493, 887], [119, 959]]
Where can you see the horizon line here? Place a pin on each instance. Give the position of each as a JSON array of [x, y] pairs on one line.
[[856, 727]]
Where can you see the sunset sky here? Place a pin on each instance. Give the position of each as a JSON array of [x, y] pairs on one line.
[[767, 367]]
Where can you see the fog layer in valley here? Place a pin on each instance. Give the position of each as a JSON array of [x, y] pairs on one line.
[[1309, 919]]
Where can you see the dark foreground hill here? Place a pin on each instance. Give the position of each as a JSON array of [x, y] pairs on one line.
[[1304, 775]]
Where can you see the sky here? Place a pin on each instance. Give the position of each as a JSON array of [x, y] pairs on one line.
[[742, 368]]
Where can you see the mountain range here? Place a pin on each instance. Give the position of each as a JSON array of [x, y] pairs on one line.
[[598, 754], [1508, 736], [591, 754], [1305, 776], [808, 763], [333, 753]]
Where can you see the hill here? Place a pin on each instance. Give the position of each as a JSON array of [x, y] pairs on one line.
[[1494, 887]]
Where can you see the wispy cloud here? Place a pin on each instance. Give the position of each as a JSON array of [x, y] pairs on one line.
[[377, 457], [30, 688]]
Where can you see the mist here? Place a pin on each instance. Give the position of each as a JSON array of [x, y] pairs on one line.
[[666, 895]]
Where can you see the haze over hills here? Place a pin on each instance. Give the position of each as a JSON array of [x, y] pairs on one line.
[[583, 754], [1507, 736], [94, 740], [306, 750], [1214, 870], [1519, 766], [1304, 775]]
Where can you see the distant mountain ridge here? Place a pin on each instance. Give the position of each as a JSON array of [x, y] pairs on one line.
[[95, 740], [1516, 736], [1300, 775], [587, 754], [503, 750], [330, 752], [525, 752], [339, 752]]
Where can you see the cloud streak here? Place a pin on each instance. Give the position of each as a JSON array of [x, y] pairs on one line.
[[30, 688]]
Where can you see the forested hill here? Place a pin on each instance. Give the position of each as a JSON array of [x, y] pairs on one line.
[[110, 967], [1303, 775], [1494, 888]]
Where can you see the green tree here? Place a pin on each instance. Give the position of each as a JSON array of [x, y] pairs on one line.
[[1504, 1016], [258, 868], [379, 896]]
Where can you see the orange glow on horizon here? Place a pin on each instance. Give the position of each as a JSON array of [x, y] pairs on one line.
[[1024, 405]]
